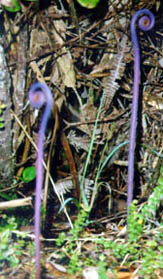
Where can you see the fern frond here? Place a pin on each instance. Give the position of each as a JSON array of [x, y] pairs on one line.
[[78, 142], [116, 73], [64, 186], [88, 188]]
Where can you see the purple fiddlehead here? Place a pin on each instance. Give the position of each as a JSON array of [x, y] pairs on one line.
[[145, 23], [40, 94]]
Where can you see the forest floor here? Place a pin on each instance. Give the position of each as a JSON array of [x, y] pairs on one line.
[[85, 55]]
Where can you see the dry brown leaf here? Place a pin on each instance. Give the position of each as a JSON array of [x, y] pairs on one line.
[[65, 63], [124, 275], [37, 71], [57, 273]]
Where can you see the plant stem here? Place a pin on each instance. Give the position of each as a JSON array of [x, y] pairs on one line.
[[145, 23], [39, 94]]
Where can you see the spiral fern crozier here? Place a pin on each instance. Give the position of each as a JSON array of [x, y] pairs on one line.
[[40, 94]]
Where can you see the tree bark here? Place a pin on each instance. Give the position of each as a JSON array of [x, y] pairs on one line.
[[6, 162]]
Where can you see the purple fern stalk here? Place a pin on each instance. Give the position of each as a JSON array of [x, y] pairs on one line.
[[39, 94], [146, 22]]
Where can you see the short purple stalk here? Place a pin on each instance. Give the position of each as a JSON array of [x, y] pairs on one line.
[[39, 94], [146, 22]]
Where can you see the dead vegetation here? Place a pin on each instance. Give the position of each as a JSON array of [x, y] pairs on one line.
[[85, 56]]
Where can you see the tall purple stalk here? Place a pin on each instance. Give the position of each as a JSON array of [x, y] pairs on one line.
[[146, 22], [39, 94]]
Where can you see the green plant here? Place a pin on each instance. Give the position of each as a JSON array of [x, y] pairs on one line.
[[8, 196], [138, 218], [12, 242], [74, 264], [80, 223], [101, 165], [102, 267], [150, 261], [7, 247], [61, 239], [2, 108], [14, 5], [135, 223], [29, 174], [89, 4]]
